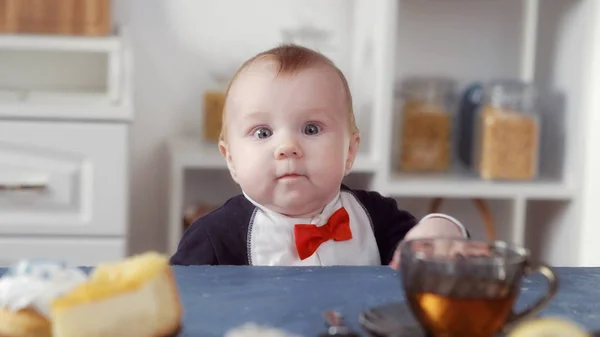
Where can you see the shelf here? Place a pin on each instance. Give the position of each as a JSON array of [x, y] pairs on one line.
[[191, 154], [462, 184], [188, 153], [66, 77], [60, 43], [91, 110]]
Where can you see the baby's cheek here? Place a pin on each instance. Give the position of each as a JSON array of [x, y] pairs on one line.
[[329, 170], [330, 156], [254, 169], [249, 168]]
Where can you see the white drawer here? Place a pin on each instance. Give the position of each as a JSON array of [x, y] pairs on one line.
[[74, 174], [73, 251]]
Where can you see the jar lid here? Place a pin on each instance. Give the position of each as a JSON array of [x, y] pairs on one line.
[[428, 89], [516, 94]]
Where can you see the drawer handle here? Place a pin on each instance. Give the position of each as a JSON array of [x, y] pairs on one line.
[[24, 187]]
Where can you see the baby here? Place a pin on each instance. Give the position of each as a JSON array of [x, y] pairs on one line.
[[289, 137]]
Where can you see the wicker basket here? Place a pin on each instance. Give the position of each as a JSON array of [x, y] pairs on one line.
[[62, 17]]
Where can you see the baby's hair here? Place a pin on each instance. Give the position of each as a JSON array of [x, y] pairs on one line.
[[292, 59]]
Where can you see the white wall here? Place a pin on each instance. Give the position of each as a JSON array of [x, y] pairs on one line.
[[590, 233]]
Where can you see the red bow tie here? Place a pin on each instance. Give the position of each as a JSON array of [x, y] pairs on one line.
[[309, 237]]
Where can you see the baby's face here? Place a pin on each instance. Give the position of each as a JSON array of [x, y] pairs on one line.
[[288, 142]]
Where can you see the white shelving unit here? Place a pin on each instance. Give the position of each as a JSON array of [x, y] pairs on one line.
[[65, 109], [547, 42], [53, 77]]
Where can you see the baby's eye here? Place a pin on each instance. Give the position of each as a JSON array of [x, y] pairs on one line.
[[263, 133], [311, 129]]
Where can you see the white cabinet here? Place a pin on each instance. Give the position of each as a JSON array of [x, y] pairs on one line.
[[63, 178], [65, 109], [66, 77]]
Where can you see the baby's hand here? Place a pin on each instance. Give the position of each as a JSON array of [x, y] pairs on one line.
[[431, 226], [435, 226]]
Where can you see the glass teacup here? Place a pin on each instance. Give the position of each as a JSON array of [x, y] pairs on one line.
[[464, 288]]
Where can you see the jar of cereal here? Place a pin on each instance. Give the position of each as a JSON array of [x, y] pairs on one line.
[[507, 131], [213, 104], [427, 106]]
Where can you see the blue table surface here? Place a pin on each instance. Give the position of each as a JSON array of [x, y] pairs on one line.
[[218, 298]]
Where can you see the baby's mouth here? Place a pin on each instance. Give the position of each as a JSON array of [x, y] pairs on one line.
[[290, 176]]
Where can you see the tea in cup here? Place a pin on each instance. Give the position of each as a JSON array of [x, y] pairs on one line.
[[464, 288]]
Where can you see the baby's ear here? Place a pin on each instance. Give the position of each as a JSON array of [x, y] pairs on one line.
[[352, 150], [224, 149]]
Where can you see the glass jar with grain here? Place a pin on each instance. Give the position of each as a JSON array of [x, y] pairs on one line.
[[507, 133], [427, 106], [213, 104]]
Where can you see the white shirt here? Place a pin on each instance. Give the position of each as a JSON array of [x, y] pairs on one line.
[[272, 237]]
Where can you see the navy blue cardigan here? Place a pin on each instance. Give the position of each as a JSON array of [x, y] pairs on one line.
[[221, 236]]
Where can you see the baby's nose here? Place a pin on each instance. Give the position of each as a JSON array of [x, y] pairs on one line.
[[288, 151]]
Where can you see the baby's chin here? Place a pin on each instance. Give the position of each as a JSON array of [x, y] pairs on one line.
[[299, 206]]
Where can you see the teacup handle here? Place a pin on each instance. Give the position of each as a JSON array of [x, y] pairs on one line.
[[542, 301]]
